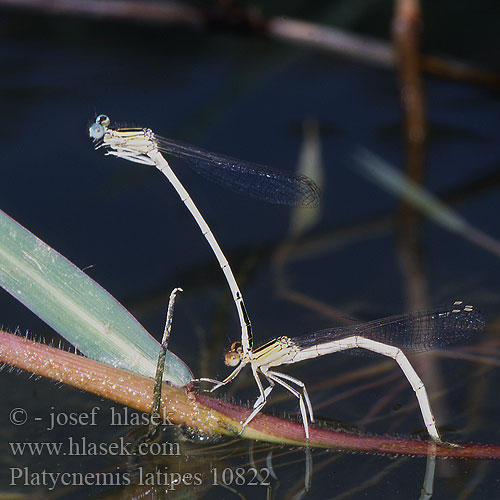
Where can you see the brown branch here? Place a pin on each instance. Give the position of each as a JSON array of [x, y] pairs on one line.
[[291, 30], [406, 34], [147, 11]]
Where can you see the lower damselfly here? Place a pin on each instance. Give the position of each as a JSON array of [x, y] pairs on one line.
[[392, 336]]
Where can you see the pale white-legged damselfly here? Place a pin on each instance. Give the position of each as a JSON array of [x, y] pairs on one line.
[[141, 145], [414, 332]]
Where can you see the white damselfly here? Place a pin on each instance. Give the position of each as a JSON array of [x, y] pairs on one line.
[[414, 332], [141, 145]]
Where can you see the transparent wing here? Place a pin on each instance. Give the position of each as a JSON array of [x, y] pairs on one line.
[[256, 181], [414, 332]]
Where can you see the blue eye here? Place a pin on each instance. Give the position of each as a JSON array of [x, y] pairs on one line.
[[103, 120], [96, 131]]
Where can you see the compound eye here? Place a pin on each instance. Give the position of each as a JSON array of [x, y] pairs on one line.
[[96, 131], [103, 120], [232, 358]]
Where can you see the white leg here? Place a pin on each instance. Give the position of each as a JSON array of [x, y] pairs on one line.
[[264, 393], [263, 399], [275, 376], [131, 156], [303, 388], [219, 383], [267, 391]]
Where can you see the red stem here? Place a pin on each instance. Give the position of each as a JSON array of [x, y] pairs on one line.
[[207, 414]]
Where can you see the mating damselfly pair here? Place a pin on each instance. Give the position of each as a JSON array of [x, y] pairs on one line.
[[390, 337]]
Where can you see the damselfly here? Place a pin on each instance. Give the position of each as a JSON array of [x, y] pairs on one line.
[[141, 145], [414, 332], [250, 179]]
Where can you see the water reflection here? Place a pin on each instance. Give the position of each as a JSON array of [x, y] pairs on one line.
[[240, 469]]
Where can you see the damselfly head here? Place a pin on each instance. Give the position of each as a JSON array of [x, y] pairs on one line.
[[98, 129], [234, 355]]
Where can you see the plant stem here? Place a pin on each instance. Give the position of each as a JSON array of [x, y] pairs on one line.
[[206, 414]]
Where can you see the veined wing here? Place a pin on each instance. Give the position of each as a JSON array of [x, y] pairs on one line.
[[414, 332], [256, 181]]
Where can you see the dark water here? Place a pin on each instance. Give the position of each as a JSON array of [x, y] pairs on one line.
[[247, 97]]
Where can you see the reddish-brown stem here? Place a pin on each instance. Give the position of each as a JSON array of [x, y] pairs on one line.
[[202, 412]]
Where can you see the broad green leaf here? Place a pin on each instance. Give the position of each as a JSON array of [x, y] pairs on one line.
[[76, 306]]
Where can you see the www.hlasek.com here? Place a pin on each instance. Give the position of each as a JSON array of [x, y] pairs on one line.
[[84, 447]]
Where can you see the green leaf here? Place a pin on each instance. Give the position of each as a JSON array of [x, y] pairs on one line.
[[77, 307]]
